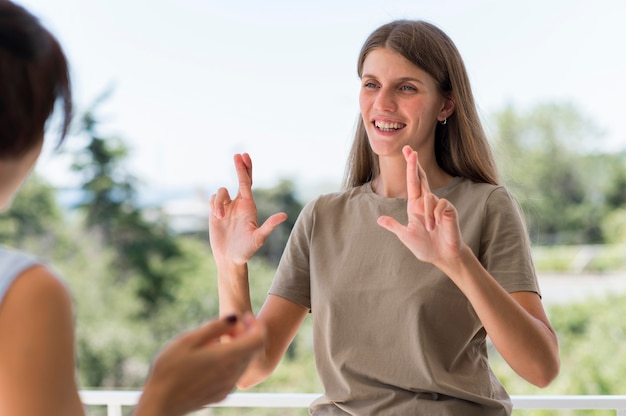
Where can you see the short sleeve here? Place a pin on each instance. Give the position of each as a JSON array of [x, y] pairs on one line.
[[505, 245], [292, 279]]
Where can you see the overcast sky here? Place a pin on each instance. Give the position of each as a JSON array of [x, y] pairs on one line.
[[196, 81]]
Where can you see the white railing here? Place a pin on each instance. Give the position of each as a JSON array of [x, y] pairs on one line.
[[115, 401]]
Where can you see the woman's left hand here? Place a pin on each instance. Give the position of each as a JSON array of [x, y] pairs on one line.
[[432, 232]]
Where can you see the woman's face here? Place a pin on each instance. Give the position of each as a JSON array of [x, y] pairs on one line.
[[400, 104], [13, 172]]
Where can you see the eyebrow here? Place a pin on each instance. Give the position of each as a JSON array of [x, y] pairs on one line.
[[404, 79]]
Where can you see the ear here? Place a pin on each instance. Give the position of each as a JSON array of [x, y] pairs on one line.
[[447, 110]]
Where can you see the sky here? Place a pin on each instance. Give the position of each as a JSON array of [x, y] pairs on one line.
[[194, 82]]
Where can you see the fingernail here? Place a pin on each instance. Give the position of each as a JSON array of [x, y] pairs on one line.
[[231, 319]]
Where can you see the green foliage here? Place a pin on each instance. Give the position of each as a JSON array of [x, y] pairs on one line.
[[616, 186], [591, 335], [33, 212], [142, 248], [548, 163], [147, 249], [281, 198], [577, 259], [111, 343], [614, 226], [194, 296], [109, 190]]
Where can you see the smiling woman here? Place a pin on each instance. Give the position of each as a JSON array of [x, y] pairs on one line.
[[422, 255], [423, 63]]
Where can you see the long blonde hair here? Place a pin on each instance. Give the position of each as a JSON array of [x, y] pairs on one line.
[[461, 146]]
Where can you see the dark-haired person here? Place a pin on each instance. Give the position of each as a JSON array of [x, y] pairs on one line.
[[37, 373]]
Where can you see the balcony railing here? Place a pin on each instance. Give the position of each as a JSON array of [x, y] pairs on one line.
[[115, 401]]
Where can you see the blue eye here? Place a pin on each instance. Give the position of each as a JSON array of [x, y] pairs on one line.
[[369, 85], [408, 88]]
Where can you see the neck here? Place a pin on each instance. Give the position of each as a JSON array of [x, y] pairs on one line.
[[391, 183]]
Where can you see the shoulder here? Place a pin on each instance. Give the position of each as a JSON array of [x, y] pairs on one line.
[[23, 278], [465, 186], [36, 296], [487, 208], [12, 264], [475, 194], [327, 209], [500, 199], [36, 315]]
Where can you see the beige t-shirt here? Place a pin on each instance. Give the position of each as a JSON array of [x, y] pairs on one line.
[[393, 335]]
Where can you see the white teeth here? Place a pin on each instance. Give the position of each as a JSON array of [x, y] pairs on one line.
[[386, 126]]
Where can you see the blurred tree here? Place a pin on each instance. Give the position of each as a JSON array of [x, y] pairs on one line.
[[591, 336], [107, 197], [34, 212], [114, 348], [614, 226], [616, 189], [111, 209], [546, 162], [281, 198], [614, 223]]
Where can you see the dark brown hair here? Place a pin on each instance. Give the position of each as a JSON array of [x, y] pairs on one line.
[[33, 77], [461, 147]]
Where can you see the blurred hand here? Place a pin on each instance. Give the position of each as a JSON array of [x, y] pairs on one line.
[[195, 369]]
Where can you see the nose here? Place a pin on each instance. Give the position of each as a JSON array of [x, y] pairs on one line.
[[385, 100]]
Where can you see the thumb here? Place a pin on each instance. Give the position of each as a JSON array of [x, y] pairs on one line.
[[211, 330], [268, 226], [390, 224]]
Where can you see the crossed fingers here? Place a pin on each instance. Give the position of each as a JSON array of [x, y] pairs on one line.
[[418, 190], [243, 166]]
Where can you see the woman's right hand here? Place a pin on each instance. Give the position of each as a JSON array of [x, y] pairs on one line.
[[234, 232]]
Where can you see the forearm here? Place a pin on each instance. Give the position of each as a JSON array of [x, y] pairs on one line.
[[234, 298], [282, 319], [520, 332], [233, 289]]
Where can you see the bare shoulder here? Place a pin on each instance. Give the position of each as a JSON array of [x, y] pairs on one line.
[[37, 362], [36, 297]]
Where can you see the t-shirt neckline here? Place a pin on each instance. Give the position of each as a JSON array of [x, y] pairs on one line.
[[439, 192]]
